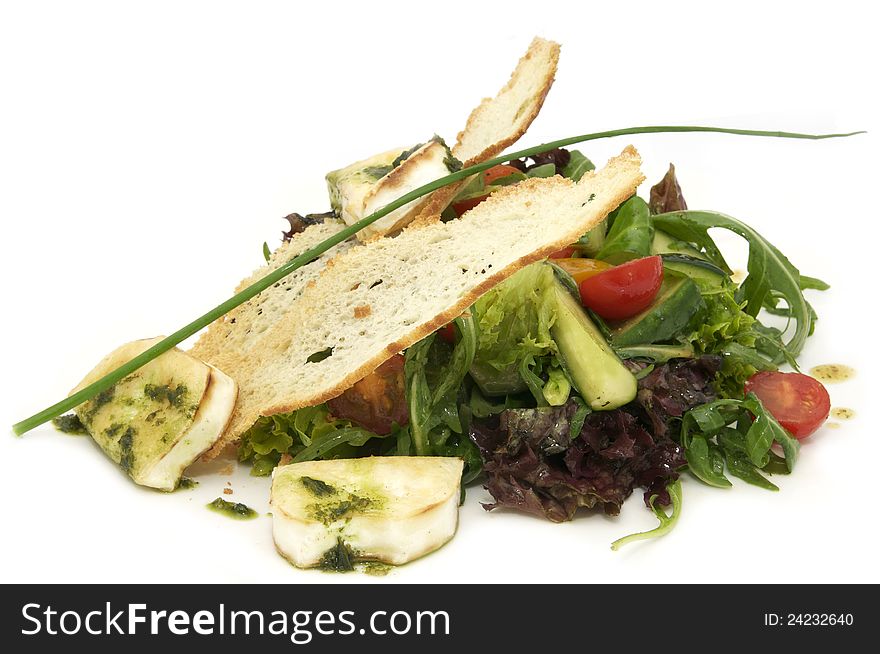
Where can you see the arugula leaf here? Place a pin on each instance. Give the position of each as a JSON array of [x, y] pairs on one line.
[[732, 443], [320, 447], [590, 243], [631, 233], [739, 433], [705, 463], [769, 272], [740, 466], [418, 393], [695, 235], [776, 465], [580, 415], [767, 428], [577, 165], [707, 418], [544, 170], [306, 434], [667, 522], [433, 378], [813, 283], [267, 254], [507, 180], [483, 407]]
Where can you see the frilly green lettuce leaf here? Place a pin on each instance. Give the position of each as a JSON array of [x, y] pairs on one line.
[[514, 319]]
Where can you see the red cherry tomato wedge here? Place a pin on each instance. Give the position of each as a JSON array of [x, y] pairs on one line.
[[625, 290], [497, 172], [489, 177], [447, 333], [799, 402], [467, 204], [564, 253], [377, 401]]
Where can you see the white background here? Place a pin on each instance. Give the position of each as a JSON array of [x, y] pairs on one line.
[[148, 149]]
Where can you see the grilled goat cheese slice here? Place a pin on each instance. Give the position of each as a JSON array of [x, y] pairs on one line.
[[389, 509], [158, 420], [364, 187]]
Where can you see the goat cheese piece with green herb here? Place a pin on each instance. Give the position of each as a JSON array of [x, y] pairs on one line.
[[388, 509], [366, 186], [162, 417]]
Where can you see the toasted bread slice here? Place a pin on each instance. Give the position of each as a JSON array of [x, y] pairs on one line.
[[500, 121], [495, 124], [377, 299], [242, 329]]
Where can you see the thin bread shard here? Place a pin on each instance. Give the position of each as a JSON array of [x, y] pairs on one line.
[[500, 121], [494, 125], [413, 284], [242, 329]]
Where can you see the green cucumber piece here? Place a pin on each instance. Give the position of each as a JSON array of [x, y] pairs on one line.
[[677, 301], [597, 372]]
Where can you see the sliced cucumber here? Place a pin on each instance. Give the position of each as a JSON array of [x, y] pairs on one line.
[[664, 243], [596, 371], [707, 275], [677, 301]]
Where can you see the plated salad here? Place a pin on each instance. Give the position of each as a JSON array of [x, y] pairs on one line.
[[525, 321]]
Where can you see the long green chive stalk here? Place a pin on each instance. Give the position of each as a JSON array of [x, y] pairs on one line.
[[308, 256]]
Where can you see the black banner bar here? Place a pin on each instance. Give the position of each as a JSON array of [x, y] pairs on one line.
[[539, 618]]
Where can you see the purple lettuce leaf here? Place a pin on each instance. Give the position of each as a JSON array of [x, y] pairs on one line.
[[666, 194], [533, 463]]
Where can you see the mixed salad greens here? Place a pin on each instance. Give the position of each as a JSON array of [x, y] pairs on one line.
[[620, 362]]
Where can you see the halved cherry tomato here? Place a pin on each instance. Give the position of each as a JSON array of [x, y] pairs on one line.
[[625, 290], [377, 401], [497, 172], [581, 269], [447, 333], [564, 253], [489, 177], [800, 403], [468, 203]]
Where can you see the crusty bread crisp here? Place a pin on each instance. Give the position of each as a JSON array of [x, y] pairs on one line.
[[500, 121], [377, 299], [242, 329], [495, 124]]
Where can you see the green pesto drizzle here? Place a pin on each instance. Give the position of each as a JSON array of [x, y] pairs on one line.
[[175, 396], [94, 405], [339, 558], [375, 568], [126, 448], [235, 510], [317, 487], [70, 424], [345, 507]]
